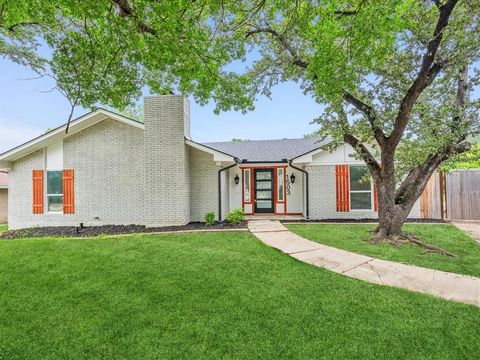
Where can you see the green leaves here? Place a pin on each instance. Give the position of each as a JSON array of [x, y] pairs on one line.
[[105, 52]]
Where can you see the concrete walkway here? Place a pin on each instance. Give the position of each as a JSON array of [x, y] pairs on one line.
[[450, 286], [471, 227]]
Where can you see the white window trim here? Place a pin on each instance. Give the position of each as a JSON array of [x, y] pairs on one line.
[[249, 185], [281, 201], [350, 191], [47, 195]]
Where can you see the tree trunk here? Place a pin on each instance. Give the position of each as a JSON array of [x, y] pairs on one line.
[[391, 215], [390, 220]]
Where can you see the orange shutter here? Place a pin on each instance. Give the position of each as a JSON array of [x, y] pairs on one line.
[[68, 192], [342, 187], [37, 179]]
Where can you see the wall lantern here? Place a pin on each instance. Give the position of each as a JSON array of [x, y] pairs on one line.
[[237, 179], [292, 178]]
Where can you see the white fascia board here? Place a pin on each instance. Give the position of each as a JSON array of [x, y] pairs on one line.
[[58, 134], [306, 158], [217, 155], [122, 119]]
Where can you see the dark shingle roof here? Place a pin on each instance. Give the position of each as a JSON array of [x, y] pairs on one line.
[[268, 150]]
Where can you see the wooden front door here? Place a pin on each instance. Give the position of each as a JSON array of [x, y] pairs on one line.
[[264, 191]]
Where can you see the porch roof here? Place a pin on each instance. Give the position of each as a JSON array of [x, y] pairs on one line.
[[268, 150]]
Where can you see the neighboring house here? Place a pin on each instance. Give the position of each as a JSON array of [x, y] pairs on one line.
[[110, 169], [3, 197]]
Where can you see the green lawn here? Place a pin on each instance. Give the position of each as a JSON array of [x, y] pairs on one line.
[[3, 228], [356, 238], [209, 295]]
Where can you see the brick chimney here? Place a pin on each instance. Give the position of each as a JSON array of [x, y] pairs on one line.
[[167, 183]]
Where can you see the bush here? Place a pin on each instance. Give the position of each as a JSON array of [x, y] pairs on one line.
[[236, 216], [210, 218]]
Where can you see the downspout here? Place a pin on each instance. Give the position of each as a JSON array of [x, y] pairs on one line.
[[220, 188], [306, 186]]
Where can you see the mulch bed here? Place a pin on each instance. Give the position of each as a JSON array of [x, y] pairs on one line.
[[340, 221], [89, 231]]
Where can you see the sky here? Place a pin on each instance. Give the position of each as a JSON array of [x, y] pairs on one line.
[[28, 108]]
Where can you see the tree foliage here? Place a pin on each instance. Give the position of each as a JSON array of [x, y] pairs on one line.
[[467, 160], [104, 52]]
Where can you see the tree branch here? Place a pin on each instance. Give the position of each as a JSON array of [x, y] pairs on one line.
[[462, 87], [297, 60], [369, 113], [422, 173], [20, 24], [127, 11], [346, 12], [415, 182], [426, 75], [357, 145]]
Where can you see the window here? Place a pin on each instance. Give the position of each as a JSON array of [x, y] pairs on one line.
[[246, 185], [54, 191], [280, 184], [360, 188]]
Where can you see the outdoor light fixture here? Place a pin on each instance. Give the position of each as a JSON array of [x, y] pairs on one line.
[[237, 179], [292, 178]]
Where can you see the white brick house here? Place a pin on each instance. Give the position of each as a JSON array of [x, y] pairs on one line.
[[110, 169]]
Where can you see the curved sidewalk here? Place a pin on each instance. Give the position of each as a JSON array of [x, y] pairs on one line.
[[450, 286]]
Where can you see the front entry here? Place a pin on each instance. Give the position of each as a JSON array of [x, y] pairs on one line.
[[263, 191]]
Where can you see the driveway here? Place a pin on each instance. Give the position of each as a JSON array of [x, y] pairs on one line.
[[472, 228]]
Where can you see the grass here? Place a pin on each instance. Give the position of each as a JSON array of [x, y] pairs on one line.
[[209, 295], [3, 228], [356, 238]]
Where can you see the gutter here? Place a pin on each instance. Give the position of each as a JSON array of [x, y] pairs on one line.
[[220, 187], [245, 161], [306, 186]]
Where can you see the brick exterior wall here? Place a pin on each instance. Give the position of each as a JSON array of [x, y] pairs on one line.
[[323, 197], [203, 185], [226, 180], [166, 161], [109, 177], [3, 206]]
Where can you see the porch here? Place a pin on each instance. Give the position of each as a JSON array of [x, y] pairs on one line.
[[274, 217], [268, 191]]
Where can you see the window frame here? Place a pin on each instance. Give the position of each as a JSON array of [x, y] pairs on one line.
[[47, 195], [350, 191], [247, 178], [282, 179]]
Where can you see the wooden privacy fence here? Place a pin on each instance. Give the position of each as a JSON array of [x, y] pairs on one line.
[[454, 196]]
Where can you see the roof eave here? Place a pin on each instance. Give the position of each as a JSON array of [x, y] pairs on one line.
[[308, 156], [218, 156]]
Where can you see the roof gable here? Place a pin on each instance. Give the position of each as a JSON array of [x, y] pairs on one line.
[[58, 134]]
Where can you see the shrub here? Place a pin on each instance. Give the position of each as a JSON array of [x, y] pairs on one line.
[[236, 216], [210, 218]]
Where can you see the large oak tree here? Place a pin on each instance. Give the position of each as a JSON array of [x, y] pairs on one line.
[[396, 77]]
